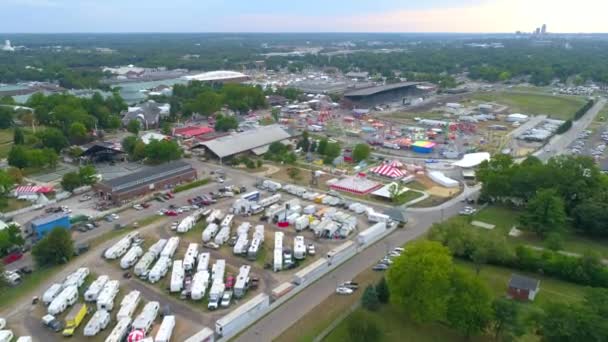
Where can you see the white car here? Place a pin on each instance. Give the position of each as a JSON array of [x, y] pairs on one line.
[[311, 249], [115, 216], [226, 298], [344, 291], [138, 207]]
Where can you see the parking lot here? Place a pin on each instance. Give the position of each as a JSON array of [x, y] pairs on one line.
[[592, 144], [191, 315]]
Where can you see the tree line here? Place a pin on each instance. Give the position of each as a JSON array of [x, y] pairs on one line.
[[566, 189], [206, 100]]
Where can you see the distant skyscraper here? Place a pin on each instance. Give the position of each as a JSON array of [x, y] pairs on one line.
[[543, 30], [537, 31]]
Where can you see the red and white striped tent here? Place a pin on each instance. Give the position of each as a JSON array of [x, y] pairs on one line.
[[389, 170], [358, 184], [32, 189], [136, 335]]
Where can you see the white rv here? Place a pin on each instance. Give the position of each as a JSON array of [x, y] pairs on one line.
[[177, 276], [268, 201], [278, 260], [128, 305], [258, 232], [166, 329], [159, 270], [299, 247], [157, 247], [105, 300], [215, 295], [240, 247], [121, 247], [216, 214], [95, 289], [131, 257], [218, 271], [143, 265], [227, 222], [302, 223], [200, 282], [242, 281], [243, 228], [170, 247], [254, 248], [99, 321], [147, 316], [51, 293], [203, 262], [120, 331], [222, 236], [190, 257], [67, 297], [210, 232], [76, 278]]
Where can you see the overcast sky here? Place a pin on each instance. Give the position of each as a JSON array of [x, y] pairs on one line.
[[302, 16]]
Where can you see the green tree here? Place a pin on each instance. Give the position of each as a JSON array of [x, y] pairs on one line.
[[167, 128], [469, 308], [275, 114], [396, 191], [545, 213], [139, 150], [419, 280], [77, 133], [480, 256], [162, 151], [7, 181], [55, 248], [304, 142], [507, 323], [70, 181], [382, 291], [226, 123], [361, 152], [134, 126], [362, 327], [17, 157], [87, 175], [322, 146], [18, 137], [6, 117], [370, 300], [53, 138], [597, 300], [332, 151], [293, 173], [128, 144], [568, 322]]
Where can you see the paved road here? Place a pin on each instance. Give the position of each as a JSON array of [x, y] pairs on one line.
[[271, 326]]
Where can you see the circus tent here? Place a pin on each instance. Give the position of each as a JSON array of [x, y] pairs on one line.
[[358, 184], [390, 170]]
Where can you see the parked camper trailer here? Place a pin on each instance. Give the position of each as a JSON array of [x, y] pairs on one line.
[[302, 223], [120, 331], [203, 262], [121, 247], [242, 316], [258, 232], [177, 276], [218, 271], [210, 232], [222, 236], [190, 257], [76, 278], [128, 305], [271, 186], [227, 221], [105, 300], [291, 219], [186, 224], [51, 293], [165, 331], [243, 228], [157, 247], [254, 248], [143, 265], [242, 281], [253, 196], [67, 297], [240, 247], [216, 215], [131, 257], [299, 248], [200, 282], [268, 201], [99, 321], [159, 270], [278, 260], [94, 290], [147, 316], [215, 295], [6, 335], [170, 247], [309, 272], [273, 210], [205, 335]]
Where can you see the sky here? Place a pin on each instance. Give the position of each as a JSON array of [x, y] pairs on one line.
[[54, 16]]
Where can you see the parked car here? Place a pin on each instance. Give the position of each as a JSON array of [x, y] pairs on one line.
[[138, 207], [344, 291], [226, 298], [115, 216], [380, 267], [170, 213], [230, 282], [350, 285], [254, 282], [211, 245], [311, 249]]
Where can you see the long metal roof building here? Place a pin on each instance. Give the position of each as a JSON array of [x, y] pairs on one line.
[[245, 141], [369, 91], [148, 175]]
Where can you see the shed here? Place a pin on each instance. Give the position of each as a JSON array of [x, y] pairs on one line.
[[523, 288], [42, 225]]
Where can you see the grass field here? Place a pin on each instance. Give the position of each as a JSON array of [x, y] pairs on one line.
[[397, 327], [13, 204], [558, 107], [6, 142]]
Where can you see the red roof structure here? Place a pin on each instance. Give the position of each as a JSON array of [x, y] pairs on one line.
[[192, 131], [390, 170], [358, 184], [33, 189]]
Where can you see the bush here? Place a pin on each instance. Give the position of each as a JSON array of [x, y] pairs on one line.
[[565, 127], [191, 185], [369, 300], [362, 327], [382, 291]]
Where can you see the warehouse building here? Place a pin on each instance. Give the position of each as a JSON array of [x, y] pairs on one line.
[[43, 225], [166, 176], [255, 140]]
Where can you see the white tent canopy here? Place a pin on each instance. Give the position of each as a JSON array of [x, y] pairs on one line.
[[472, 160], [439, 178]]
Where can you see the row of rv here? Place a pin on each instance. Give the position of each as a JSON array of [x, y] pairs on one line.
[[282, 255]]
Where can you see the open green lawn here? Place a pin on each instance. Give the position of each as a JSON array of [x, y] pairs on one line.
[[13, 204], [558, 106], [28, 284], [505, 218]]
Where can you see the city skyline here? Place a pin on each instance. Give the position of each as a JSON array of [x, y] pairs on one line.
[[483, 16]]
